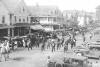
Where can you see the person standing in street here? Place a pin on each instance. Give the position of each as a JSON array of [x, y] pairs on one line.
[[29, 45], [91, 35], [24, 45], [53, 46], [43, 44], [65, 48]]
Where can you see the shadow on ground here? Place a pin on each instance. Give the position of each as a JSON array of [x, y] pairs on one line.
[[19, 58], [19, 49]]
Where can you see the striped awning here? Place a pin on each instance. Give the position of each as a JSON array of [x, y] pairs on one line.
[[21, 24], [36, 27]]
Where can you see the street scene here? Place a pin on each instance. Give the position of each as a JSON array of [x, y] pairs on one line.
[[39, 34]]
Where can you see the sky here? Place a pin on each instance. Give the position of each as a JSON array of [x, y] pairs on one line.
[[87, 5]]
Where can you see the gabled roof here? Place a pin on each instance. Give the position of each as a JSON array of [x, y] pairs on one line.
[[12, 5], [44, 10], [3, 8], [21, 8]]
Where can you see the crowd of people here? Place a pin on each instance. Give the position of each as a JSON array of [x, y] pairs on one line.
[[4, 49], [52, 41]]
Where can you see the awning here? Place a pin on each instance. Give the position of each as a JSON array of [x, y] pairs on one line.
[[24, 24], [48, 29], [21, 24], [37, 27], [6, 27]]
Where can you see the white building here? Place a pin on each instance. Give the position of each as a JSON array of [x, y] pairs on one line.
[[83, 17], [48, 16], [4, 14]]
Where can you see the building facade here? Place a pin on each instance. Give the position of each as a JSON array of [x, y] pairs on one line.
[[48, 16], [82, 17], [4, 15], [4, 20], [18, 16], [98, 13]]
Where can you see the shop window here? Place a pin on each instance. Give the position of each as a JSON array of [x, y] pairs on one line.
[[3, 19]]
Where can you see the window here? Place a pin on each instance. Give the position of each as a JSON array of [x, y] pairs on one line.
[[23, 9], [51, 12], [23, 20], [3, 19], [27, 19], [50, 19], [19, 20], [15, 18]]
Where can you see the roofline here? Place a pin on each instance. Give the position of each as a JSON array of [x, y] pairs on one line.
[[5, 6]]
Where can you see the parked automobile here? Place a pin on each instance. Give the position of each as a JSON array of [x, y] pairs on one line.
[[81, 49], [94, 46], [75, 61], [93, 55]]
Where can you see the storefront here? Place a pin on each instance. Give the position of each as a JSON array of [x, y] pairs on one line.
[[21, 29], [5, 30]]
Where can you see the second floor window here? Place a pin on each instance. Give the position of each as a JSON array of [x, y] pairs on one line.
[[3, 19], [23, 20], [19, 20], [15, 18], [27, 19]]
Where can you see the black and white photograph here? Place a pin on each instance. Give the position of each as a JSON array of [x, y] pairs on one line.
[[49, 33]]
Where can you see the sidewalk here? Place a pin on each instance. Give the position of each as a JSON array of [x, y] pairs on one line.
[[32, 58]]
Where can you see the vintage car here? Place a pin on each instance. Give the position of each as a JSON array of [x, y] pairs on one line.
[[75, 61], [93, 54], [81, 49], [94, 46], [96, 57]]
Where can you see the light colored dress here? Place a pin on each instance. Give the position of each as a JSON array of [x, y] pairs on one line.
[[24, 43], [3, 49], [7, 47]]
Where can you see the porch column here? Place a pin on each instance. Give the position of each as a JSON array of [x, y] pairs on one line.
[[12, 32], [29, 20], [8, 32], [29, 30], [18, 30]]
